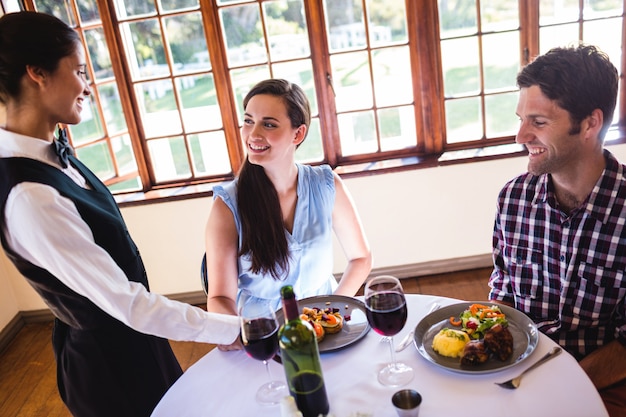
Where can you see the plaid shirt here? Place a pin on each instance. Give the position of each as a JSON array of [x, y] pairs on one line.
[[566, 272]]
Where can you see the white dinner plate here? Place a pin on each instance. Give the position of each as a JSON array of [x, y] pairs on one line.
[[524, 331], [353, 330]]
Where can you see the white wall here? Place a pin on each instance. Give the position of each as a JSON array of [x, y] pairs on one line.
[[410, 217]]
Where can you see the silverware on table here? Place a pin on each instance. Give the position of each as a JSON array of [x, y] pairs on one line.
[[515, 382], [408, 339]]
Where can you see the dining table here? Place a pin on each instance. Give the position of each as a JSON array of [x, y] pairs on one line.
[[223, 384]]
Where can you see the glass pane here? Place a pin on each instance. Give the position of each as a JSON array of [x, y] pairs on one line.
[[11, 6], [60, 8], [311, 150], [209, 153], [169, 5], [345, 24], [562, 35], [557, 11], [387, 22], [499, 15], [200, 109], [98, 158], [500, 115], [99, 53], [112, 108], [461, 71], [169, 158], [159, 114], [286, 29], [357, 132], [301, 73], [392, 76], [606, 35], [457, 18], [133, 184], [463, 120], [88, 11], [124, 155], [351, 81], [129, 8], [187, 42], [144, 47], [397, 128], [243, 80], [90, 127], [602, 8], [500, 60], [243, 35]]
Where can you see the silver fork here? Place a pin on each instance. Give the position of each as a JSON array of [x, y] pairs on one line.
[[515, 382], [408, 339]]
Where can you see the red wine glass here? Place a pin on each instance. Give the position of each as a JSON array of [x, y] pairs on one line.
[[387, 313], [259, 335]]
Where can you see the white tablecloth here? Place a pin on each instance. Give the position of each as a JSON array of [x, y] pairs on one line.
[[223, 384]]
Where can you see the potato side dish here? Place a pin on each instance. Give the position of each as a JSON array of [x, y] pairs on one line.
[[450, 342]]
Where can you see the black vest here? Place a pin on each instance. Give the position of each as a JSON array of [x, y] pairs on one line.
[[100, 212]]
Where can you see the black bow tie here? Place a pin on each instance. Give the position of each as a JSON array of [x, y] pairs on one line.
[[62, 147]]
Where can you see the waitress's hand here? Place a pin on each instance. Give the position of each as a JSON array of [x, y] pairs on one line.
[[236, 345]]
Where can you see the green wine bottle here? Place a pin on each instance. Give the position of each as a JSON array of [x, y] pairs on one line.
[[301, 359]]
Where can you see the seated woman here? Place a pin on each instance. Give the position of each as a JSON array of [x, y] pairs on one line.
[[272, 225]]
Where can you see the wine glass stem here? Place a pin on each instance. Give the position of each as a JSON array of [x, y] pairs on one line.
[[393, 352], [269, 371]]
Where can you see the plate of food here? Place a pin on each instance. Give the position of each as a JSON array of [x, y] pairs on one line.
[[338, 321], [476, 337]]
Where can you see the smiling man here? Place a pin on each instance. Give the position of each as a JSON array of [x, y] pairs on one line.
[[559, 241]]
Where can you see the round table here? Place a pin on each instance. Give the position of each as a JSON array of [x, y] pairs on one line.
[[224, 383]]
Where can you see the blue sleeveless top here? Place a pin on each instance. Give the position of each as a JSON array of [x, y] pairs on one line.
[[310, 244]]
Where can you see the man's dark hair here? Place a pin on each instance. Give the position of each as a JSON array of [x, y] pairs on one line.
[[580, 79]]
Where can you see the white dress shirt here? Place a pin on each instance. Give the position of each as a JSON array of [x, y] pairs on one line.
[[46, 229]]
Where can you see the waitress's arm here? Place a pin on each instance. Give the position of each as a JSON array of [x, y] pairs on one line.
[[46, 229]]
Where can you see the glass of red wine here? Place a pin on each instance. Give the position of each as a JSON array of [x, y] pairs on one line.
[[259, 336], [387, 312]]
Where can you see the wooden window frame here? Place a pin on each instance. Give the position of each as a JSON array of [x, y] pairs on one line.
[[427, 77]]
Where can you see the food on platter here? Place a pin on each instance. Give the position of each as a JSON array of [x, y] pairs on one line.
[[324, 320], [499, 341], [479, 318], [450, 342], [488, 335], [474, 353]]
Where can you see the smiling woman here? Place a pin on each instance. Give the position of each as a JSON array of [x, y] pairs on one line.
[[294, 208]]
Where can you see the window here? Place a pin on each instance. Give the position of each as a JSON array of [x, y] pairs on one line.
[[391, 82]]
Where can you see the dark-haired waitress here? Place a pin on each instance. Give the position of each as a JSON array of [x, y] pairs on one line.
[[63, 231]]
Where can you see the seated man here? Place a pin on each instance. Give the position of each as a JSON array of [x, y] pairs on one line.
[[559, 241]]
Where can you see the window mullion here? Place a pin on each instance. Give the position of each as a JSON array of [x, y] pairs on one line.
[[122, 79], [320, 58], [423, 28], [529, 24], [228, 103]]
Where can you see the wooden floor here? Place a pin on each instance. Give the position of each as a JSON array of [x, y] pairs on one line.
[[28, 371]]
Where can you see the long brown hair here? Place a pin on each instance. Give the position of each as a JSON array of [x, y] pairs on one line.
[[262, 227]]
